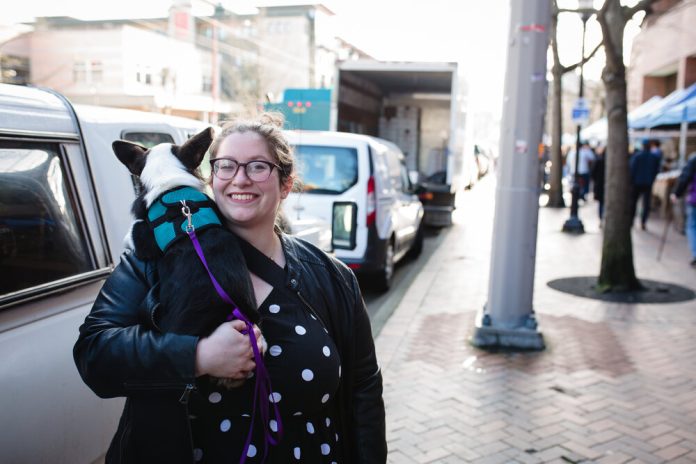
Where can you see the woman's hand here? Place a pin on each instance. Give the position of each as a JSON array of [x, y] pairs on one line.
[[227, 352]]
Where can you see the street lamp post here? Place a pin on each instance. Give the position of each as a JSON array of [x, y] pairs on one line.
[[573, 224]]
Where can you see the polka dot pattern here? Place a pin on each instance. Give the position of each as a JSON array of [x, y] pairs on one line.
[[307, 361], [225, 425], [275, 350]]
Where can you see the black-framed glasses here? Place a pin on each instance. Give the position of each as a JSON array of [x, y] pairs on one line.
[[257, 170]]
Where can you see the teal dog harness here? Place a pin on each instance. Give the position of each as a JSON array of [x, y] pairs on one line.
[[167, 222]]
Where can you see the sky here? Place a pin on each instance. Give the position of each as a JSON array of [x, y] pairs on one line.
[[473, 33]]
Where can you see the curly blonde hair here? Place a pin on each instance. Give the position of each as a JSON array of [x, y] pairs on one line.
[[269, 126]]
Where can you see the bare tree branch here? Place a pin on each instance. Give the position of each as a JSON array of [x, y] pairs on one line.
[[588, 11], [643, 5], [572, 67], [612, 56]]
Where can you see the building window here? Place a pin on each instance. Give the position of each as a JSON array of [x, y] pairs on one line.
[[79, 72], [41, 240], [206, 84], [88, 71]]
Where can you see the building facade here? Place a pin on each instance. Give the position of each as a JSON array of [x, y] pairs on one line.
[[204, 67], [663, 57]]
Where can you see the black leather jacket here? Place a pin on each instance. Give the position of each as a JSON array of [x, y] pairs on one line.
[[120, 352]]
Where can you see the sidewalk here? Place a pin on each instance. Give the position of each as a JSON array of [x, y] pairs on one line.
[[616, 383]]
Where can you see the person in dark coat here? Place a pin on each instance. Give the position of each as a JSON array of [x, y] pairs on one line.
[[321, 359], [644, 166], [598, 180], [687, 184]]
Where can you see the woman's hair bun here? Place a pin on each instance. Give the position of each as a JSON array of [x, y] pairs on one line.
[[272, 118]]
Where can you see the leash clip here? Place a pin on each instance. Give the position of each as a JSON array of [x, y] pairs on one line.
[[186, 211]]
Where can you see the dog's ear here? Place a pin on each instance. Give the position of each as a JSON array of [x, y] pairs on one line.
[[131, 155], [191, 153]]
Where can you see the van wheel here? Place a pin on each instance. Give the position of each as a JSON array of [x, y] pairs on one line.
[[417, 246], [385, 276]]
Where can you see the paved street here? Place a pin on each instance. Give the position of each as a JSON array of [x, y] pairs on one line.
[[616, 384]]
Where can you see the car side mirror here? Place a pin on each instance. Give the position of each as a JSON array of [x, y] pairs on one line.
[[344, 225]]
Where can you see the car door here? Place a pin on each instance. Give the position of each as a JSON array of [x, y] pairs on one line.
[[411, 210]]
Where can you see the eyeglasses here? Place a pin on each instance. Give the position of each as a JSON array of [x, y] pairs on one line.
[[257, 170]]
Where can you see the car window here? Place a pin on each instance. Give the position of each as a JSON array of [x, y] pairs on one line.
[[40, 235], [394, 166], [405, 180], [327, 170], [147, 139]]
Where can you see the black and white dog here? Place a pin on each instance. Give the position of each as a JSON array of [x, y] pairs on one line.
[[189, 304]]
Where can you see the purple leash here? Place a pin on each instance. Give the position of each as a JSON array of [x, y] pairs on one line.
[[263, 388]]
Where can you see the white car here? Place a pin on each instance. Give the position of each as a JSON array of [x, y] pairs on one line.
[[361, 186]]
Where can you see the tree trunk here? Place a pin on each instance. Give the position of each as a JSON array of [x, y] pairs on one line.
[[555, 180], [617, 272]]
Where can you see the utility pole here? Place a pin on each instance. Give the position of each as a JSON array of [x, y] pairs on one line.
[[507, 320], [215, 75]]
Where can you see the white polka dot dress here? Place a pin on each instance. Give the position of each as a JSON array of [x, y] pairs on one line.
[[304, 366]]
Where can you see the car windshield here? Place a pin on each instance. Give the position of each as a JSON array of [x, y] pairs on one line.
[[327, 170]]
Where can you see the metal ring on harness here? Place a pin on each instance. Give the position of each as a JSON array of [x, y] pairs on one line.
[[186, 211]]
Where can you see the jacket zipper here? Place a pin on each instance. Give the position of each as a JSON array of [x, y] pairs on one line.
[[157, 386], [187, 392], [184, 401], [312, 311]]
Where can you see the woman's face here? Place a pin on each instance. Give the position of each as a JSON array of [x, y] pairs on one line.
[[243, 202]]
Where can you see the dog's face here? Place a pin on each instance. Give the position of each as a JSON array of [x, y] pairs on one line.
[[165, 166]]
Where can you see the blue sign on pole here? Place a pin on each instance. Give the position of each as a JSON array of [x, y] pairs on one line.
[[580, 113]]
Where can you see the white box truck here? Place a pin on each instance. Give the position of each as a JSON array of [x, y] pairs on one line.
[[415, 105]]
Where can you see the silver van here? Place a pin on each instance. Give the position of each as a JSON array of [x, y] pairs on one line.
[[64, 211]]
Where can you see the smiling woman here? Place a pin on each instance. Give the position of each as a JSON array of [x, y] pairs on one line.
[[326, 385]]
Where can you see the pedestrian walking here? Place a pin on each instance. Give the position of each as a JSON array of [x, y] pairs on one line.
[[585, 161], [687, 182], [598, 180], [321, 359], [644, 166]]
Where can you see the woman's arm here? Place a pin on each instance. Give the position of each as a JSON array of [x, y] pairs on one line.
[[116, 353]]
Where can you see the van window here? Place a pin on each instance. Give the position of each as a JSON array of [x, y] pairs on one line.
[[327, 170], [147, 139], [40, 237]]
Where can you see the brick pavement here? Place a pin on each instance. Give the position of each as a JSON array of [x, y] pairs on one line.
[[616, 384]]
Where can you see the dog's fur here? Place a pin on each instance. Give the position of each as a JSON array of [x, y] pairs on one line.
[[189, 303]]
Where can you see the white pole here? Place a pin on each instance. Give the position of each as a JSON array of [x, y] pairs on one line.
[[682, 138], [508, 319]]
